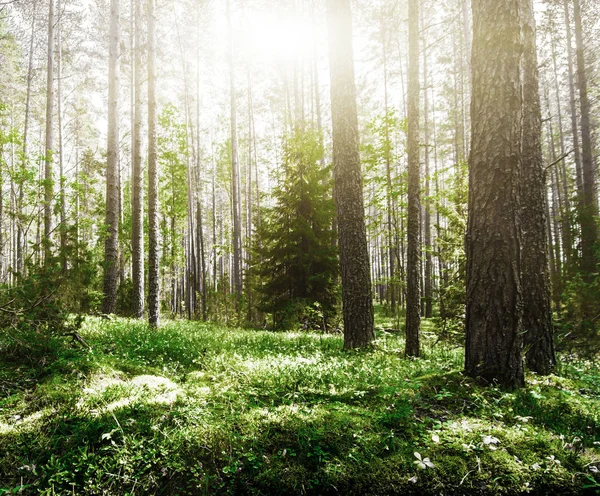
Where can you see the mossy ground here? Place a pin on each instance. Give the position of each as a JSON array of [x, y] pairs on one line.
[[197, 409]]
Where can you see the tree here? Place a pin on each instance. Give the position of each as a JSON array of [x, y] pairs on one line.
[[48, 174], [348, 188], [413, 271], [235, 172], [535, 278], [153, 253], [298, 268], [589, 207], [111, 243], [494, 310], [137, 226]]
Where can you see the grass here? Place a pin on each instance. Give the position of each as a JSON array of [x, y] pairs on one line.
[[193, 408]]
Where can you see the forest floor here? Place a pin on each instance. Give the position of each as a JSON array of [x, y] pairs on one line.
[[195, 408]]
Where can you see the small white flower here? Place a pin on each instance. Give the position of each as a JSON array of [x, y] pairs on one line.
[[535, 466], [413, 479], [490, 440], [423, 463], [435, 438]]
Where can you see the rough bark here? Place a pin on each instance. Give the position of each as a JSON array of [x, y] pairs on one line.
[[137, 229], [111, 243], [589, 207], [153, 233], [413, 255], [61, 162], [354, 256], [494, 298], [48, 174], [535, 278]]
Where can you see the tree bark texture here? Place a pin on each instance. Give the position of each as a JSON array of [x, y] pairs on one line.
[[493, 243], [137, 241], [111, 243], [413, 256], [535, 278], [153, 232], [354, 256]]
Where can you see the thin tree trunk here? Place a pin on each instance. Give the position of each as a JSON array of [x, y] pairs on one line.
[[573, 102], [48, 150], [153, 232], [428, 286], [413, 292], [111, 243], [354, 256], [235, 174], [589, 213], [61, 172], [137, 226], [535, 279]]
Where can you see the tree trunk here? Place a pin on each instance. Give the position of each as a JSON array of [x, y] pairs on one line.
[[48, 176], [153, 233], [137, 226], [61, 172], [573, 102], [413, 262], [535, 279], [428, 286], [111, 243], [235, 173], [354, 256], [589, 212], [494, 309]]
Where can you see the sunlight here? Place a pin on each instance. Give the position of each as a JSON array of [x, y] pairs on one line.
[[280, 39]]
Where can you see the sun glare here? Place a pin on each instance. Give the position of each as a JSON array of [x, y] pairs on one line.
[[271, 36]]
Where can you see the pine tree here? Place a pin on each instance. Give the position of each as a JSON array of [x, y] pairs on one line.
[[297, 275]]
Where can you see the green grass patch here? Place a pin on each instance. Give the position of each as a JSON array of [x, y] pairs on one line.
[[194, 408]]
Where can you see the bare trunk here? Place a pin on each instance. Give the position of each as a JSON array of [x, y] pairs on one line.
[[413, 265], [137, 226], [354, 256], [494, 310], [111, 243], [589, 212], [153, 232], [48, 150], [535, 279]]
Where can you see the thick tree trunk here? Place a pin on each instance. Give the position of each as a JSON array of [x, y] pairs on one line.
[[111, 243], [354, 256], [589, 212], [48, 174], [494, 309], [137, 225], [153, 232], [413, 258], [535, 279]]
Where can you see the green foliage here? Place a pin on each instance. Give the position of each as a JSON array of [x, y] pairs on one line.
[[34, 319], [192, 408], [295, 246], [173, 194], [451, 206]]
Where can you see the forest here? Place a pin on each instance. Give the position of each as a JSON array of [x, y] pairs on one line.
[[299, 247]]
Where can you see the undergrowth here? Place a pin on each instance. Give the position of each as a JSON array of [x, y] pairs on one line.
[[193, 408]]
